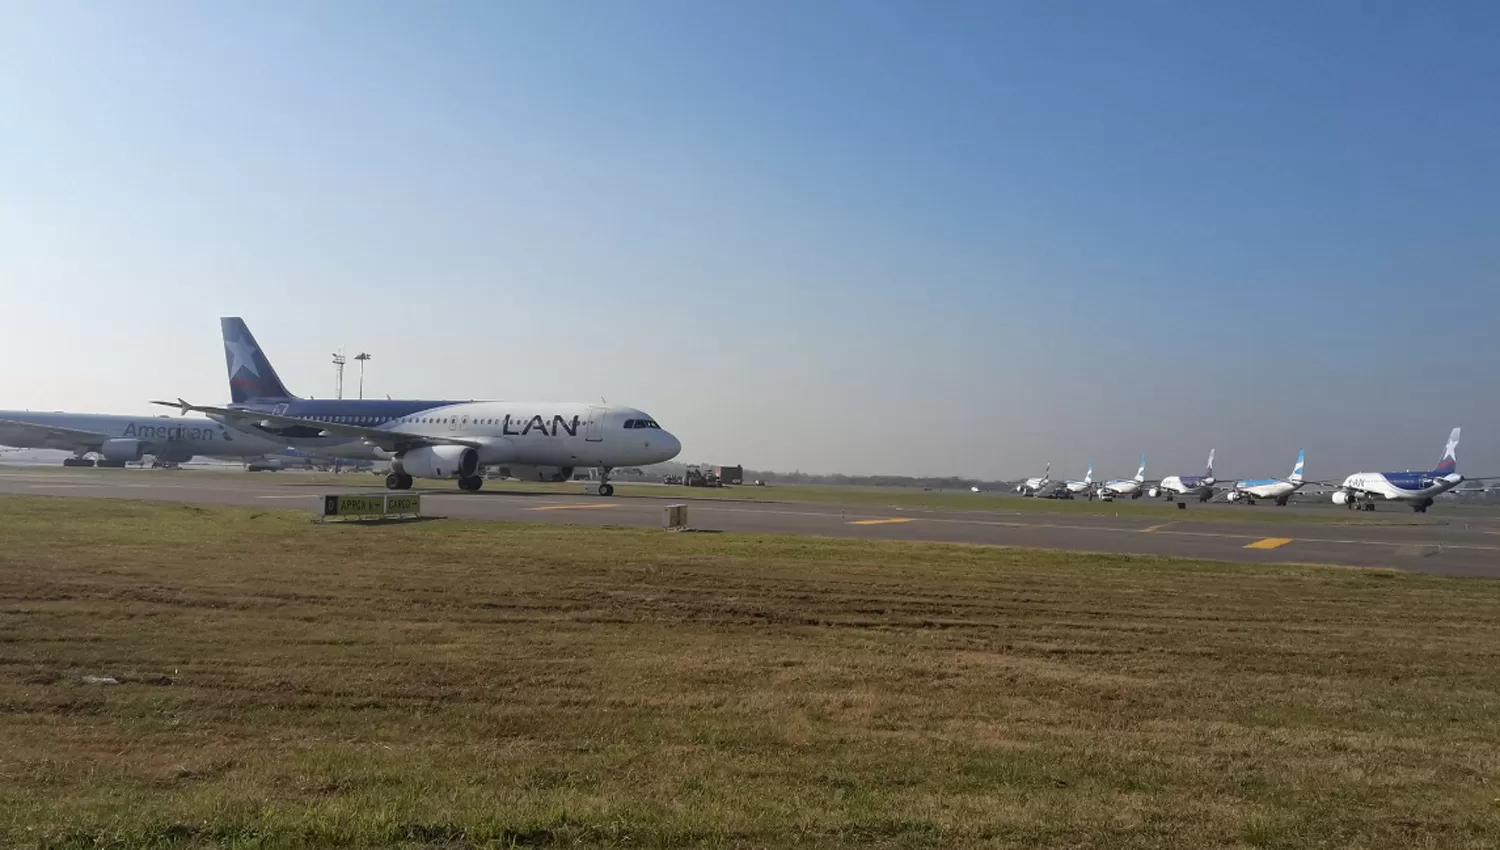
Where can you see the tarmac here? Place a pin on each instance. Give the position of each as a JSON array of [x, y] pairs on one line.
[[1466, 542]]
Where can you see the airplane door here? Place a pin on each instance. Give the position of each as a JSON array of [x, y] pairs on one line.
[[594, 430], [457, 423]]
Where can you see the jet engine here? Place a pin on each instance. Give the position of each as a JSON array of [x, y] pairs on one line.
[[1234, 496], [438, 462], [540, 473], [1340, 497], [1155, 492], [121, 450]]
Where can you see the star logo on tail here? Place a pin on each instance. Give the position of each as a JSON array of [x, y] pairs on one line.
[[242, 356]]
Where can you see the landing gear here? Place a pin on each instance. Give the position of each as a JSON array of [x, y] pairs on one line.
[[1282, 500], [1421, 507], [1204, 497], [470, 484], [77, 461], [606, 489], [111, 464], [398, 481]]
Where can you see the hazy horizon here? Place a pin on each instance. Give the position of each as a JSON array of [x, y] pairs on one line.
[[964, 239]]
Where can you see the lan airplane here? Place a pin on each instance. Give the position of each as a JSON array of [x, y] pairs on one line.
[[1032, 486], [1201, 486], [1125, 486], [1280, 489], [437, 439], [118, 440], [1362, 489]]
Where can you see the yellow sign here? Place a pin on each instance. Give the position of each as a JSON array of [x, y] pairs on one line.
[[371, 506]]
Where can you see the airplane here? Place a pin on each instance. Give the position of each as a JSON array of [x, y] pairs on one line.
[[1125, 486], [118, 440], [1201, 486], [1032, 486], [436, 439], [1361, 490], [1081, 486], [1280, 489]]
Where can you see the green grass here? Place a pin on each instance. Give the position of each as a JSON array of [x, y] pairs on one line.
[[446, 684]]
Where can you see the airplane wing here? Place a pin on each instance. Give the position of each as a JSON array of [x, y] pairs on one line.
[[390, 440], [32, 436]]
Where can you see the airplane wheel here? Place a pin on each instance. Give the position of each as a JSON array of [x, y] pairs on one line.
[[393, 482], [1281, 502], [606, 489], [471, 484]]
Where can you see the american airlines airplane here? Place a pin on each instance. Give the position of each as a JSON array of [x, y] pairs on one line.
[[1201, 486], [1280, 489], [437, 439], [1125, 486], [1362, 489], [1032, 486], [118, 440]]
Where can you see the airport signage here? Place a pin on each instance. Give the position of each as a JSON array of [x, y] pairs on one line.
[[371, 505], [675, 518]]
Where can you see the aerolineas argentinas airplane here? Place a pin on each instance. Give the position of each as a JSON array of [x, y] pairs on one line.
[[1280, 489], [1201, 486], [438, 439], [1032, 486], [1081, 486], [1125, 486], [1362, 489]]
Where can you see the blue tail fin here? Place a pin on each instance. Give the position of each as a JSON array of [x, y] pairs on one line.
[[1209, 473], [1301, 461], [1449, 464], [251, 377]]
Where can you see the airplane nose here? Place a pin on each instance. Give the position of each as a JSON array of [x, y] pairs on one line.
[[670, 446]]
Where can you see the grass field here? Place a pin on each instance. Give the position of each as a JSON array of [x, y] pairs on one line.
[[443, 684]]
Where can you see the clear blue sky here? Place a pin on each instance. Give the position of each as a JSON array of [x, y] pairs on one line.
[[917, 238]]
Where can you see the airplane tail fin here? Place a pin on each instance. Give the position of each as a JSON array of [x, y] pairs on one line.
[[1297, 470], [1047, 473], [1140, 474], [251, 376], [1088, 477], [1449, 464], [1210, 472]]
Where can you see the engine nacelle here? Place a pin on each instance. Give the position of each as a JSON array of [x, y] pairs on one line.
[[1155, 492], [438, 462], [1234, 496], [1340, 498], [122, 450], [540, 473]]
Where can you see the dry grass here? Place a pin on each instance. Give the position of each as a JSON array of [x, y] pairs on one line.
[[452, 684]]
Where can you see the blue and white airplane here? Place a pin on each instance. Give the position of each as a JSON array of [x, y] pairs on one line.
[[1033, 486], [1418, 489], [1081, 486], [1125, 486], [436, 439], [1280, 489], [1201, 486]]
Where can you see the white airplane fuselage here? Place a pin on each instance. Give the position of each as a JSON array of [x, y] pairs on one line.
[[1401, 486], [128, 438]]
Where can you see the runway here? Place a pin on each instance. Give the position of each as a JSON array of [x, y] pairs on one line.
[[1465, 543]]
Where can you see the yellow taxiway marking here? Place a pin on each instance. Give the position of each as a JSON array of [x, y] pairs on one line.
[[880, 521], [572, 507], [1269, 543], [1156, 527]]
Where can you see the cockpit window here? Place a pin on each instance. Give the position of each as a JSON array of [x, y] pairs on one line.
[[630, 423]]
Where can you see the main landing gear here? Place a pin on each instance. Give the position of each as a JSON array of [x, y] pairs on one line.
[[1421, 507], [605, 488], [398, 481], [77, 461], [470, 484]]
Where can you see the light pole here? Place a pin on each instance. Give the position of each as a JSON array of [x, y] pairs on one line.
[[362, 357], [338, 371]]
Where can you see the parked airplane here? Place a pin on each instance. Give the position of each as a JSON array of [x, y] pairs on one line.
[[118, 440], [1362, 489], [1125, 486], [1081, 486], [1280, 489], [1201, 486], [436, 439], [1032, 486]]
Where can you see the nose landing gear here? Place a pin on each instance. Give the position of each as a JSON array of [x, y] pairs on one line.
[[605, 488]]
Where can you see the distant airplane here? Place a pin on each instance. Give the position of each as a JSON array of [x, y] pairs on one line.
[[1083, 486], [1201, 486], [436, 439], [1280, 489], [1125, 486], [1032, 486], [118, 440], [1362, 489]]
